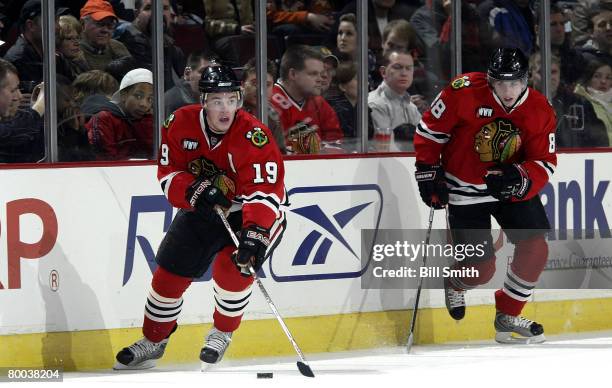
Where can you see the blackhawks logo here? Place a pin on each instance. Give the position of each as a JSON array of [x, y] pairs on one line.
[[497, 141], [203, 167], [258, 137], [461, 82]]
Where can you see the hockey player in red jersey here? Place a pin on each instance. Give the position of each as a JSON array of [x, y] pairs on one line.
[[486, 148], [213, 154]]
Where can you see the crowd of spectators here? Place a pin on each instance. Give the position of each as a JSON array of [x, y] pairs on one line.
[[104, 59]]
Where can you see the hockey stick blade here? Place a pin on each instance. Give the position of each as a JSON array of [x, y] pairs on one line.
[[410, 342], [305, 369]]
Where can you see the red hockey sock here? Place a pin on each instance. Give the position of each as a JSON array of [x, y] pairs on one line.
[[530, 258], [485, 268], [232, 292], [164, 304]]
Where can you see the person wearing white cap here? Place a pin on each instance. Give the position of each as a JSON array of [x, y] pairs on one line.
[[123, 128]]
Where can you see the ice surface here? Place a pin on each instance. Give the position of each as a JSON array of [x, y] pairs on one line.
[[581, 361]]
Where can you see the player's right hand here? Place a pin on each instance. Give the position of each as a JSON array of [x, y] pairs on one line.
[[204, 194], [254, 242], [432, 185]]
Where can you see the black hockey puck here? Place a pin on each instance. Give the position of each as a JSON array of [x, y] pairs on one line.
[[265, 375]]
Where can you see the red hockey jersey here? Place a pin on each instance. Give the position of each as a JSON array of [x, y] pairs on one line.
[[247, 154], [314, 111], [467, 127]]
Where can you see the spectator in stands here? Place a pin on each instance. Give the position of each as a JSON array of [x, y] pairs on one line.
[[390, 102], [599, 47], [297, 94], [99, 22], [346, 47], [511, 22], [94, 82], [380, 12], [137, 38], [581, 18], [572, 61], [21, 130], [249, 84], [595, 86], [123, 128], [26, 53], [186, 91], [72, 142], [399, 35], [344, 103], [577, 124], [346, 41], [289, 17], [225, 18], [330, 63], [70, 60]]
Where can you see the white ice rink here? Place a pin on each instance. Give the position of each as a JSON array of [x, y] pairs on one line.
[[578, 361]]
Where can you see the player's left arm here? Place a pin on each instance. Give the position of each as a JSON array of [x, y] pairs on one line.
[[260, 178], [540, 152]]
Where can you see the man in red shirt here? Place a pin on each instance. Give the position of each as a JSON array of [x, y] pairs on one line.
[[487, 147], [297, 95], [213, 154]]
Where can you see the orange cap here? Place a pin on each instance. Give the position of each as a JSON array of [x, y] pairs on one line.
[[98, 10]]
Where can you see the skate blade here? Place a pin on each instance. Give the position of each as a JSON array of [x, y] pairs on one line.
[[504, 337], [148, 364], [206, 367]]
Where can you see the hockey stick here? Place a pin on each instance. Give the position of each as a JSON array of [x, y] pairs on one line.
[[415, 310], [302, 365]]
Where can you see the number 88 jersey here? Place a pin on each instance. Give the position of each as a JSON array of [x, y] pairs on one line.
[[247, 154], [468, 130]]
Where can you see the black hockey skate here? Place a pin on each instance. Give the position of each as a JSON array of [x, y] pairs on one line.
[[143, 354], [455, 301], [517, 330], [217, 342]]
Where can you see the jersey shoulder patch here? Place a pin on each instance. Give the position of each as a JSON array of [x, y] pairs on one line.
[[169, 121], [461, 82], [257, 137]]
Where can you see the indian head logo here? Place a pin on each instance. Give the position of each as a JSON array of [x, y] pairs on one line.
[[497, 141]]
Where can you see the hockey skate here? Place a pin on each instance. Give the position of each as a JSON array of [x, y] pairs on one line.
[[455, 301], [527, 331], [143, 354], [216, 344]]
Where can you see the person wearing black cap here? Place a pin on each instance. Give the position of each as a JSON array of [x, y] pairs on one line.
[[27, 52], [486, 148], [213, 155]]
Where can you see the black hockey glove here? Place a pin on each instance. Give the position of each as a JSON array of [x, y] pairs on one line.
[[254, 242], [432, 185], [203, 194], [507, 181]]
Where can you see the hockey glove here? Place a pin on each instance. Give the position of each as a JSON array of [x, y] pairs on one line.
[[507, 181], [254, 242], [204, 194], [432, 185]]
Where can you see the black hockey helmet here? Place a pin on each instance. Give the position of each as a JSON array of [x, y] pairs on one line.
[[218, 78], [508, 64]]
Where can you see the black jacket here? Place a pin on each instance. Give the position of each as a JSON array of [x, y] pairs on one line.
[[22, 138]]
